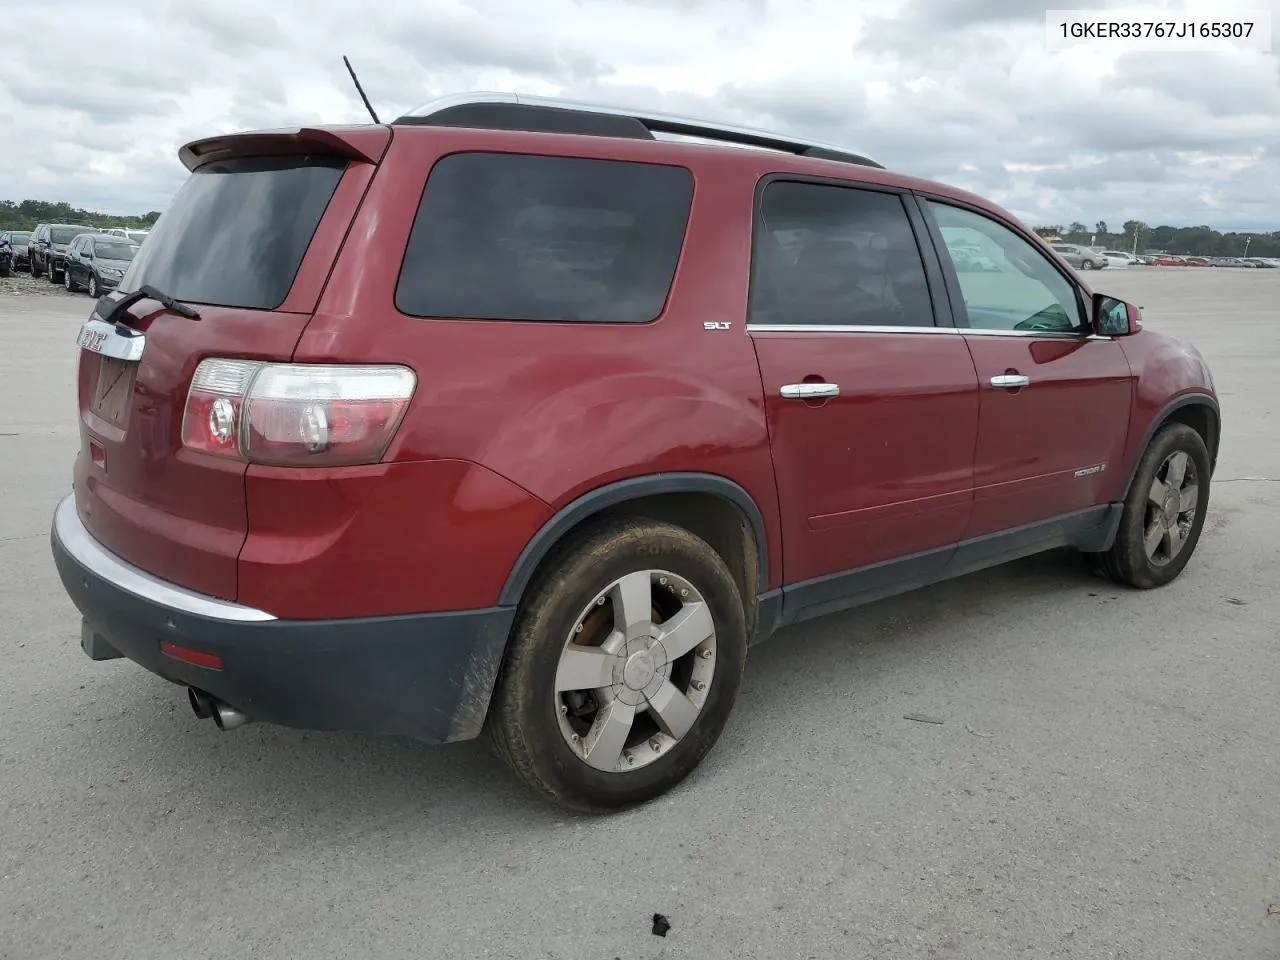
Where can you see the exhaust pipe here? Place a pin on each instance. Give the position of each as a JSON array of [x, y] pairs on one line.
[[227, 717], [204, 706], [201, 703]]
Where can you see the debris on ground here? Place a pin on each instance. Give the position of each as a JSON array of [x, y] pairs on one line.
[[1273, 909], [660, 925], [922, 718], [978, 733]]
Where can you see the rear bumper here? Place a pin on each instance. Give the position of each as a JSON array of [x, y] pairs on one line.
[[427, 676]]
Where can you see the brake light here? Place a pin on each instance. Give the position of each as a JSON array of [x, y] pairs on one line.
[[290, 414]]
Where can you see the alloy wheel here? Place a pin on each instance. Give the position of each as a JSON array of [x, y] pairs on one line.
[[635, 671], [1171, 508]]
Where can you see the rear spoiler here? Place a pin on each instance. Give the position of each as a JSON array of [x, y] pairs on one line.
[[363, 143]]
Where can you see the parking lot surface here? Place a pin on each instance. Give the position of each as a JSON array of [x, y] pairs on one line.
[[1105, 782]]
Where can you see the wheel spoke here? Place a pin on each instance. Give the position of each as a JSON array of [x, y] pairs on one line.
[[602, 747], [1188, 498], [1173, 540], [672, 710], [585, 668], [1157, 493], [632, 598], [686, 630], [1153, 538], [1177, 470]]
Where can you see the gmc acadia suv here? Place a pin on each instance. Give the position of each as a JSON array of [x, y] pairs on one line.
[[511, 415]]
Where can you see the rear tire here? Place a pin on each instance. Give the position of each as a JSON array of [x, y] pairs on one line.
[[623, 667], [1163, 512]]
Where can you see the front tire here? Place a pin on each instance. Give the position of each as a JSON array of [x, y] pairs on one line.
[[1163, 512], [1086, 264], [623, 667], [94, 290], [53, 273]]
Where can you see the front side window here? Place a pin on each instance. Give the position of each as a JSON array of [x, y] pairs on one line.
[[836, 256], [1017, 289], [519, 237]]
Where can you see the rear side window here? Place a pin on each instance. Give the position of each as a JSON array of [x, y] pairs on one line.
[[836, 256], [517, 237], [236, 231]]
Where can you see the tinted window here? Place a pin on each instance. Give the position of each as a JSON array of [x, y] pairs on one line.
[[19, 237], [514, 237], [834, 255], [236, 231], [67, 234], [114, 251], [1013, 285]]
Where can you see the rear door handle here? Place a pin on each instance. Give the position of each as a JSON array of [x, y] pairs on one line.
[[1010, 380], [809, 391]]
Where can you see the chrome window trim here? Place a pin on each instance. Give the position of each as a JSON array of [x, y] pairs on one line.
[[855, 328], [80, 544]]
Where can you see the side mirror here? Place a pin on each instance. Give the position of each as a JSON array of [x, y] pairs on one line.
[[1115, 318]]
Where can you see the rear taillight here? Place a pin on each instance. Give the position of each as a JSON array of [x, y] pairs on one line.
[[292, 414]]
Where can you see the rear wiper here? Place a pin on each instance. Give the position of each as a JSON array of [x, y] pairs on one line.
[[112, 311]]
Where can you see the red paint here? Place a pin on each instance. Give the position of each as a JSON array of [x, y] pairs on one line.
[[511, 421], [886, 468], [1072, 416], [384, 539]]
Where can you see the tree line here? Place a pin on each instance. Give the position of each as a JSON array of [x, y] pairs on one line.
[[1190, 241], [25, 215]]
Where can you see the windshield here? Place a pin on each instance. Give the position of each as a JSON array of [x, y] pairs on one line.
[[114, 251], [236, 231], [67, 234]]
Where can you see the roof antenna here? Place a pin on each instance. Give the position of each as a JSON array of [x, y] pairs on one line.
[[359, 89]]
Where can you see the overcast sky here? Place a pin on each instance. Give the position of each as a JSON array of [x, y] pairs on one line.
[[96, 99]]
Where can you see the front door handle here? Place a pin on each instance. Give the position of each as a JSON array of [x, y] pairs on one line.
[[1010, 380], [809, 391]]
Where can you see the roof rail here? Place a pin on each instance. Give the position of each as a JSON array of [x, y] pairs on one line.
[[512, 111]]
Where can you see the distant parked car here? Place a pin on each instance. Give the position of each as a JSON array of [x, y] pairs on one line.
[[96, 262], [1198, 262], [1264, 262], [1232, 262], [128, 233], [13, 251], [1169, 260], [49, 247], [1118, 258], [1082, 258]]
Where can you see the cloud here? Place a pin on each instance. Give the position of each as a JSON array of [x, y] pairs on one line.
[[962, 91]]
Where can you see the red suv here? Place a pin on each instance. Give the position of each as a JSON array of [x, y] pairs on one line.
[[512, 416]]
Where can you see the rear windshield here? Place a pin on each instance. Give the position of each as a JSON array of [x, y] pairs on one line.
[[67, 234], [517, 237], [115, 251], [236, 231], [19, 237]]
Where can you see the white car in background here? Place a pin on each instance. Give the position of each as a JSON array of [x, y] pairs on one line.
[[1118, 258], [137, 236]]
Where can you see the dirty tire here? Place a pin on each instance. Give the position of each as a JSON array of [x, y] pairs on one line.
[[1127, 562], [524, 721]]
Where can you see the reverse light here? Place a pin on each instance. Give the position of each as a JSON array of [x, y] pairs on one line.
[[295, 414]]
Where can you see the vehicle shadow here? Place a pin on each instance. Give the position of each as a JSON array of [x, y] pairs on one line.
[[325, 782]]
